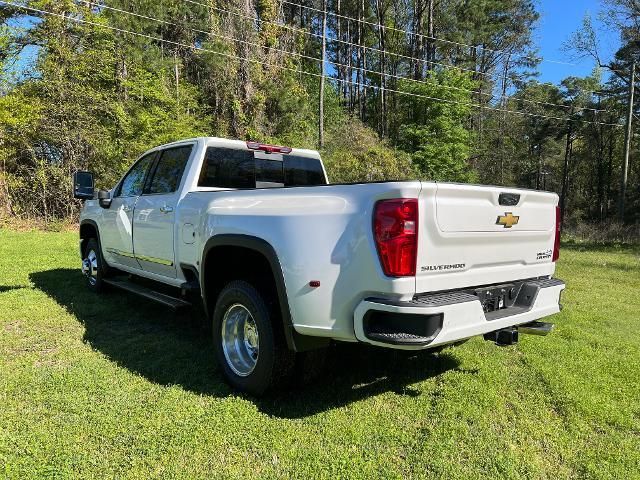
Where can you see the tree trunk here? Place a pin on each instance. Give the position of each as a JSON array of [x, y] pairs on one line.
[[417, 39], [359, 71], [382, 121], [565, 171], [600, 165], [610, 167], [502, 118], [364, 62], [176, 71], [322, 73], [431, 47], [627, 144], [350, 68], [539, 174]]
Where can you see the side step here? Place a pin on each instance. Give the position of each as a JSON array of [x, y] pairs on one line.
[[166, 300], [536, 328]]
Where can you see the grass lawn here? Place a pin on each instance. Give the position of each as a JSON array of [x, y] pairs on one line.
[[113, 386]]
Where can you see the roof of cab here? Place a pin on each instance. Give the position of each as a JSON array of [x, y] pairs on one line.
[[233, 143]]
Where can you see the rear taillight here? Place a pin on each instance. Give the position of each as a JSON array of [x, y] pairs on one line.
[[395, 228], [556, 243]]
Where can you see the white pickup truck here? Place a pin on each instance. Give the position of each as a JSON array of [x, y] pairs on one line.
[[285, 262]]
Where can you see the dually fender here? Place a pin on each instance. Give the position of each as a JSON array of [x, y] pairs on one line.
[[295, 341]]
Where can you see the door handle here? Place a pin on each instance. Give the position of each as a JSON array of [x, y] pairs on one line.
[[166, 209], [126, 208]]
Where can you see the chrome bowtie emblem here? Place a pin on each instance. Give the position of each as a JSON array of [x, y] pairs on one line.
[[508, 220]]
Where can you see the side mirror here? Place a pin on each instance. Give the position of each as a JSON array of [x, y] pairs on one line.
[[104, 198], [83, 185]]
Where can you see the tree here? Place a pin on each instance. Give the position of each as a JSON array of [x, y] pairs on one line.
[[434, 132]]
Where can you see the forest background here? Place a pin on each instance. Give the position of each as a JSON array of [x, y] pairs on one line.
[[444, 90]]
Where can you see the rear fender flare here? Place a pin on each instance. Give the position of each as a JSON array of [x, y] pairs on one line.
[[265, 249]]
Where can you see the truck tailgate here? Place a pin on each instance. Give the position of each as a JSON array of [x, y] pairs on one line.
[[474, 235]]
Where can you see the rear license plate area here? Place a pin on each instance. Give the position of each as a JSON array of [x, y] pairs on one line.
[[497, 297]]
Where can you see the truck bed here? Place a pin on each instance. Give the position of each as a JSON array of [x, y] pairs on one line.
[[324, 234]]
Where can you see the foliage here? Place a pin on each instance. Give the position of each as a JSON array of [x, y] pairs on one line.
[[434, 131], [353, 154], [77, 95]]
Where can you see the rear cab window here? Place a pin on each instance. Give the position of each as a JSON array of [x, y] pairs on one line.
[[225, 167], [169, 170]]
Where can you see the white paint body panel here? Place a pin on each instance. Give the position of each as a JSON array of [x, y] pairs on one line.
[[120, 235], [325, 233], [451, 234]]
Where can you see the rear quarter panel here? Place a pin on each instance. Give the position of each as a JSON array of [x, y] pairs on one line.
[[319, 233]]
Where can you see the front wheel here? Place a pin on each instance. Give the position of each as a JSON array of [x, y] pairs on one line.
[[93, 266], [248, 340]]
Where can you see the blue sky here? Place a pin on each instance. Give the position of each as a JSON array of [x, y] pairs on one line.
[[558, 20]]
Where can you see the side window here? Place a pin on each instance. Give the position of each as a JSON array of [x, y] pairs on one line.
[[301, 171], [228, 168], [169, 170], [133, 183]]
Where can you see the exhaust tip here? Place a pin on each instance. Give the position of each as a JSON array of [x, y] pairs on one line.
[[536, 328]]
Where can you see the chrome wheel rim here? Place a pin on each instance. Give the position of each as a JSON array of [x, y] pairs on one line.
[[90, 267], [240, 340]]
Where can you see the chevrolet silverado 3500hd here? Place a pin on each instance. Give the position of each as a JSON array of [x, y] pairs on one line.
[[285, 262]]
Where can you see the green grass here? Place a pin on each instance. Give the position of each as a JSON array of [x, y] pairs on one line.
[[113, 386]]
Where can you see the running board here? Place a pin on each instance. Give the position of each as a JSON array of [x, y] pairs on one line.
[[536, 328], [129, 286]]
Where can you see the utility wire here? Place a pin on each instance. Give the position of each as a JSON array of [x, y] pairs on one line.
[[337, 64], [282, 67], [430, 37], [395, 29], [361, 47], [195, 30], [338, 40]]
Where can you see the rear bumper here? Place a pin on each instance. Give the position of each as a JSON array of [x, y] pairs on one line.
[[443, 318]]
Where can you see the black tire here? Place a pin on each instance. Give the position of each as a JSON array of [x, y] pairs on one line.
[[98, 272], [274, 362]]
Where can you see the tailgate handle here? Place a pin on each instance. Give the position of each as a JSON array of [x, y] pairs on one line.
[[509, 199]]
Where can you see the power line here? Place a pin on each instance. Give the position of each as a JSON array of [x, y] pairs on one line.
[[282, 67], [213, 34], [408, 32], [337, 64], [351, 44], [338, 40], [394, 29]]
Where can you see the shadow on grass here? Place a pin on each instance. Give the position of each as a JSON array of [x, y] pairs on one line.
[[170, 349], [9, 288]]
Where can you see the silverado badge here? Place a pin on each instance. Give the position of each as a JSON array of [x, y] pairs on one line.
[[508, 220]]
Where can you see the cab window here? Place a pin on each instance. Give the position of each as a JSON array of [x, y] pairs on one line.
[[237, 168], [133, 183], [169, 170], [228, 168]]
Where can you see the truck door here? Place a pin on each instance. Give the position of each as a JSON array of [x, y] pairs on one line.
[[154, 218], [116, 232]]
